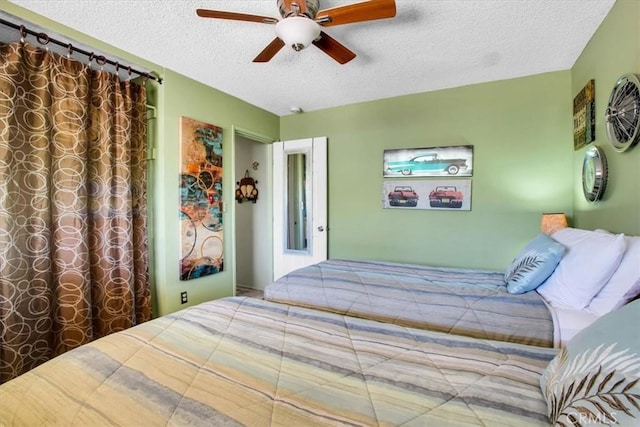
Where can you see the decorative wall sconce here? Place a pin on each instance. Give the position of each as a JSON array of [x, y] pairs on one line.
[[552, 222], [246, 190]]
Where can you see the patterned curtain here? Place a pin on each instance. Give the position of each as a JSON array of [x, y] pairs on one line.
[[73, 228]]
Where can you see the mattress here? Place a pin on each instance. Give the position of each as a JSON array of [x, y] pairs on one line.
[[458, 301], [239, 361]]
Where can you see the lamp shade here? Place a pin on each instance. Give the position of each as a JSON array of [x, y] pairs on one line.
[[552, 222], [297, 31]]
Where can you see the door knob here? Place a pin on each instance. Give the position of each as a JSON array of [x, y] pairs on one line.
[[320, 228]]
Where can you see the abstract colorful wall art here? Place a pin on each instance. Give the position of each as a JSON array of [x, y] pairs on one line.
[[201, 206]]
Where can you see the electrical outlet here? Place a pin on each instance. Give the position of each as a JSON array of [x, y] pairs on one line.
[[183, 297]]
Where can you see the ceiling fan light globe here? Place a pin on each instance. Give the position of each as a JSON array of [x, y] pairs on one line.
[[297, 31]]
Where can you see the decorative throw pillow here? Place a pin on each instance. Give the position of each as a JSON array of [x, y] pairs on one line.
[[533, 264], [590, 261], [595, 379], [624, 285]]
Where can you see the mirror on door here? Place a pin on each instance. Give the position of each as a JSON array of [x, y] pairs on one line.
[[297, 224]]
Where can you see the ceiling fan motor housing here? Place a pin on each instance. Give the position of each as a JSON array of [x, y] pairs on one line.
[[288, 7], [300, 25]]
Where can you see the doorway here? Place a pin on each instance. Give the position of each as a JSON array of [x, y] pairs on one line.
[[253, 241]]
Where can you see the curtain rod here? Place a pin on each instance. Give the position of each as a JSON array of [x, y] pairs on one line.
[[44, 39]]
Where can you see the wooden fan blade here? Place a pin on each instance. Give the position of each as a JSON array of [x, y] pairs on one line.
[[357, 12], [302, 5], [334, 48], [270, 51], [205, 13]]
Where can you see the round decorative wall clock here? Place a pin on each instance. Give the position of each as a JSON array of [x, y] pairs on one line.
[[594, 174], [623, 113]]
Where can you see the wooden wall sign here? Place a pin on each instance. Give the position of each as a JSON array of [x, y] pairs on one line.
[[584, 116]]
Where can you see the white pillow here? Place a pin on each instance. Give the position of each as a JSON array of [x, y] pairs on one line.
[[589, 262], [624, 285]]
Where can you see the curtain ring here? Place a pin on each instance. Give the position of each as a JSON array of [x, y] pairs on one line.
[[43, 39], [129, 70], [91, 58], [23, 33], [117, 65], [145, 77], [101, 60], [69, 50]]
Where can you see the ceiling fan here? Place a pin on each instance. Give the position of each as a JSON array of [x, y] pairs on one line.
[[302, 21]]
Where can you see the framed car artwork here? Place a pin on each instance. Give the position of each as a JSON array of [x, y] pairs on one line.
[[431, 161], [441, 194]]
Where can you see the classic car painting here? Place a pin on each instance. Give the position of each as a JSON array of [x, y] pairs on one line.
[[452, 194], [435, 161], [428, 163], [446, 196], [403, 195]]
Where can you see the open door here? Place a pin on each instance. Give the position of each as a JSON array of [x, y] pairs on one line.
[[299, 204]]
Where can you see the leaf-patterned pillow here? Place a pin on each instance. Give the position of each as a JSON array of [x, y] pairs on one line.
[[533, 265], [595, 379]]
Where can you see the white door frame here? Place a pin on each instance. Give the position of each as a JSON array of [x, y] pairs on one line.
[[315, 149]]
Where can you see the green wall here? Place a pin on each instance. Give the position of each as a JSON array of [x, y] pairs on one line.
[[613, 51], [524, 162], [180, 96], [521, 130]]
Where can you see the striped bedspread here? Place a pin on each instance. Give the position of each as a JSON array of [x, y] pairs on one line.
[[458, 301], [240, 361]]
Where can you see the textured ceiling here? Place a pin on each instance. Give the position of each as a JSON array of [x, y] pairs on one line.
[[429, 45]]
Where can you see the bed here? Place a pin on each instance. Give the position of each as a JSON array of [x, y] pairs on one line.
[[554, 287], [242, 361], [246, 361], [457, 301]]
